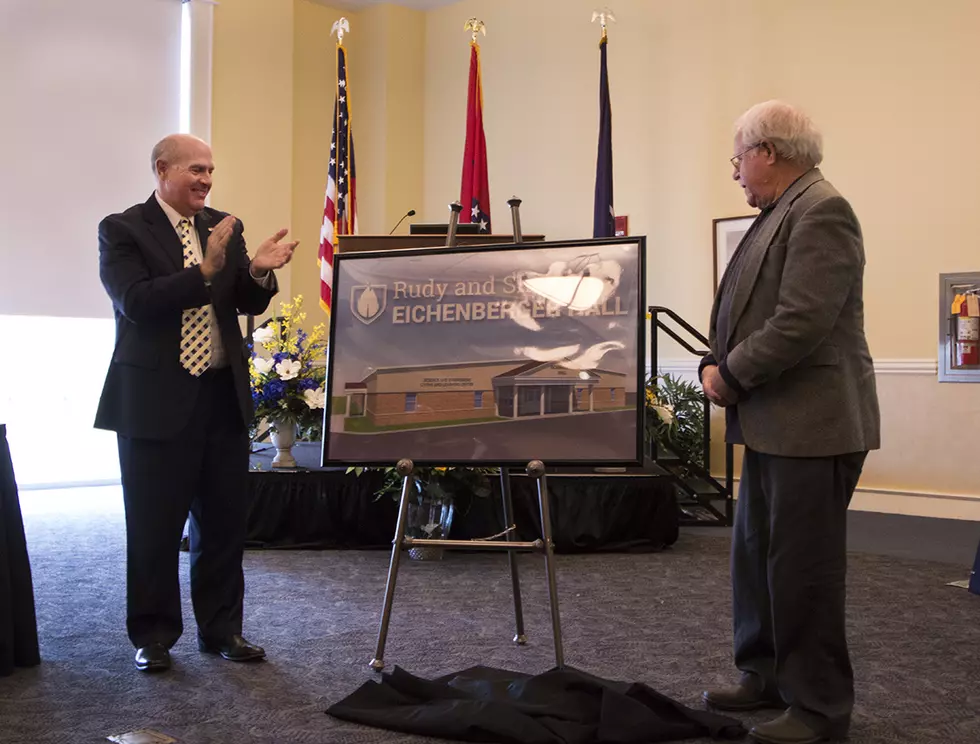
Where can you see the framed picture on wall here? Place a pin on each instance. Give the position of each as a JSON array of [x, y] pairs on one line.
[[728, 233]]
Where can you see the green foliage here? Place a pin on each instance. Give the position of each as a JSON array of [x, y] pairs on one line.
[[675, 416], [439, 482]]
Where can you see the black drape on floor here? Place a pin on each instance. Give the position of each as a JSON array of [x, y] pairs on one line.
[[18, 622], [564, 706], [331, 508]]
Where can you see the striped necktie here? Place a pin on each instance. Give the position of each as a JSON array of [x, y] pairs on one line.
[[195, 323]]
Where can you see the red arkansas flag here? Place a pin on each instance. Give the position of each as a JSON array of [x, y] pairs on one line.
[[474, 194]]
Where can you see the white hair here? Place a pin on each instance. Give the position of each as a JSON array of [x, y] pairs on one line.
[[788, 129]]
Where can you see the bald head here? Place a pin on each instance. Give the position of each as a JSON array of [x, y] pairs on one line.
[[172, 148], [183, 166]]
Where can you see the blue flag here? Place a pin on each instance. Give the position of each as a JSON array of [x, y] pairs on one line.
[[603, 222]]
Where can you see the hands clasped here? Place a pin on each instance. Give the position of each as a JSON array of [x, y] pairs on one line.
[[715, 387]]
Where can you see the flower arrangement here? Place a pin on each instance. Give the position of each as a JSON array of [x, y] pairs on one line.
[[675, 416], [287, 383]]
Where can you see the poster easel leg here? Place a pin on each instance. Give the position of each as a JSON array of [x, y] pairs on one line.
[[519, 638], [536, 470], [404, 469]]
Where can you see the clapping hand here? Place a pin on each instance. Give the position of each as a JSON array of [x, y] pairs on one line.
[[214, 256], [272, 254]]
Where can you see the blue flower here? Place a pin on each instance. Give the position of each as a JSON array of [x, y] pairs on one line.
[[274, 391], [308, 384], [279, 356]]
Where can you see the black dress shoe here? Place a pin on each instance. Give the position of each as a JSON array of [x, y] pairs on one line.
[[788, 729], [153, 658], [741, 697], [233, 648]]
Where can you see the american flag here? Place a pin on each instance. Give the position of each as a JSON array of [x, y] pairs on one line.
[[340, 202]]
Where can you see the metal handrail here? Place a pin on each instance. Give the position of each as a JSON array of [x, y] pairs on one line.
[[655, 312]]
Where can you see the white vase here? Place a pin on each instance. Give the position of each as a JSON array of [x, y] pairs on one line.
[[283, 438]]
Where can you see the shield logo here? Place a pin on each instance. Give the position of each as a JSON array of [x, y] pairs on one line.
[[368, 301]]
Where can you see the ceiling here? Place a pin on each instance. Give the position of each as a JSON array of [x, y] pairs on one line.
[[362, 4]]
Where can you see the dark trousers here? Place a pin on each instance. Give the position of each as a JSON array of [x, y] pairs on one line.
[[18, 621], [203, 472], [789, 565]]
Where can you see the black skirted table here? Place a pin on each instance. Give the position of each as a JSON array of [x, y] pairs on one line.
[[18, 621], [330, 508]]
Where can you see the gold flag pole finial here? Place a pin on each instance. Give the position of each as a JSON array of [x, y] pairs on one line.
[[603, 16], [476, 26], [340, 28]]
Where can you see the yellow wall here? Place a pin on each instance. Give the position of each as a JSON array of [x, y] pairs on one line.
[[893, 85], [252, 116], [384, 63], [315, 83]]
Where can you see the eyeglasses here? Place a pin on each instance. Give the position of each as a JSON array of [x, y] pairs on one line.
[[736, 161]]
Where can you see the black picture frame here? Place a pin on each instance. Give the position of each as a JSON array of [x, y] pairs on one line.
[[637, 319]]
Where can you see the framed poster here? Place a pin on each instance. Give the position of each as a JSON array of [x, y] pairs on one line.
[[728, 233], [488, 355]]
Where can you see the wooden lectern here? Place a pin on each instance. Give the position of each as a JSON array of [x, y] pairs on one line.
[[352, 243]]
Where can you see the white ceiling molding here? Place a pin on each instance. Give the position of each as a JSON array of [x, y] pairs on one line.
[[355, 5]]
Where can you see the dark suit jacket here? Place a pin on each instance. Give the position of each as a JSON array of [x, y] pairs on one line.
[[796, 349], [147, 393]]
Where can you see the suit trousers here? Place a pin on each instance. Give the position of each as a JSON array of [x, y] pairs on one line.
[[789, 566], [201, 471]]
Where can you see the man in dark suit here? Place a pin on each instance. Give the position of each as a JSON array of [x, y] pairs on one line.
[[177, 394], [790, 363]]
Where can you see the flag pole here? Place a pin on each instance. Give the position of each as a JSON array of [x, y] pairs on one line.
[[333, 209], [476, 26], [603, 214], [475, 187], [603, 16]]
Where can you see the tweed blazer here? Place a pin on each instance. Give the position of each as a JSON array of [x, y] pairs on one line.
[[796, 349]]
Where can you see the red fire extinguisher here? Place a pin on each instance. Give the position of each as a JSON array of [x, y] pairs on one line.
[[967, 336]]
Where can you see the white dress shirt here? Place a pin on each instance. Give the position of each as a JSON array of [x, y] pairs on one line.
[[219, 356]]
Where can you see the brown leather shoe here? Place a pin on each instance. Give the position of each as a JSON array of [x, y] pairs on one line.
[[741, 697], [152, 658], [788, 729], [233, 648]]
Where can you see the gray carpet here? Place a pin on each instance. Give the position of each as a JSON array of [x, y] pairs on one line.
[[662, 619]]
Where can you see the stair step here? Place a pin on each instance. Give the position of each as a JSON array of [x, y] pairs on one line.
[[703, 488]]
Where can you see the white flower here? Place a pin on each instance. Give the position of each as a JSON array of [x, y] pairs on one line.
[[262, 365], [287, 369], [666, 413], [315, 398], [263, 335]]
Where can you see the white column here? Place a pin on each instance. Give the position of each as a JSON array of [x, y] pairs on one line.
[[541, 406], [591, 398], [201, 65]]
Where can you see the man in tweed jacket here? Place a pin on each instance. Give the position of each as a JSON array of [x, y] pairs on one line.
[[790, 364]]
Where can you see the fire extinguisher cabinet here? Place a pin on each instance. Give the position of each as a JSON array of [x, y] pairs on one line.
[[959, 327]]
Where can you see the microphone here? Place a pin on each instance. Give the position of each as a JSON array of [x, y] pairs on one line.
[[409, 213]]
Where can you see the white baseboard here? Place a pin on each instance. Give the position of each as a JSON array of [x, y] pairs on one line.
[[98, 483], [928, 367], [913, 503]]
